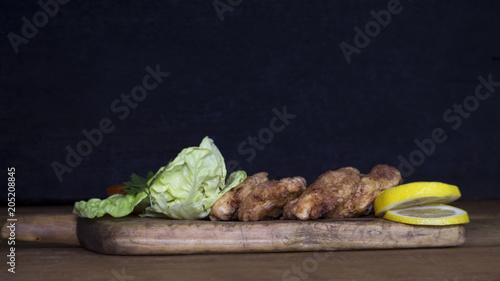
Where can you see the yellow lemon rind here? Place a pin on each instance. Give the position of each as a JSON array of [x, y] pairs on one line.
[[415, 194], [461, 218]]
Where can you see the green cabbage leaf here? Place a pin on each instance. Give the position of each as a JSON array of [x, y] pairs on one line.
[[184, 189], [117, 205]]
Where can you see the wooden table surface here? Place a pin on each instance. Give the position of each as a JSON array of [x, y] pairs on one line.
[[477, 259]]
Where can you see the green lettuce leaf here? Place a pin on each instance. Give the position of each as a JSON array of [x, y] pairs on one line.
[[234, 179], [117, 205], [184, 189], [189, 185]]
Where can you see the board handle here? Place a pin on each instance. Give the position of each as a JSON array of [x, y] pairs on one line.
[[57, 228]]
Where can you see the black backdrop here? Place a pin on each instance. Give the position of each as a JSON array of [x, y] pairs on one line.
[[232, 79]]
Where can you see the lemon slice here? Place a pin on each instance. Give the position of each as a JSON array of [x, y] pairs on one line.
[[414, 194], [433, 214]]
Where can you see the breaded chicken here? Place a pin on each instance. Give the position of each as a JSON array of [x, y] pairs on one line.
[[268, 198], [325, 194], [379, 179], [225, 207]]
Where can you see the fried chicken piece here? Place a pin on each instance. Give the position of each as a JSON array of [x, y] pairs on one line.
[[379, 179], [267, 199], [225, 208], [330, 190]]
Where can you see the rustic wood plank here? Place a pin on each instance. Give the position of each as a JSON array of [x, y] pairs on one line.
[[478, 259], [46, 228], [149, 236], [480, 232], [484, 229], [39, 262]]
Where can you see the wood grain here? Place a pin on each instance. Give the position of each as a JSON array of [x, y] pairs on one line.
[[477, 259], [55, 262], [483, 232], [148, 236], [47, 228]]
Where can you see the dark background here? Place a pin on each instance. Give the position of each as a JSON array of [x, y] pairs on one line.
[[227, 76]]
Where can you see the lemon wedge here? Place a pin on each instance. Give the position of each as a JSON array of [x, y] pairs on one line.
[[414, 194], [433, 214]]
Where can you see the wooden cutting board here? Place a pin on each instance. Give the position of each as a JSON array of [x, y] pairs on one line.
[[150, 236]]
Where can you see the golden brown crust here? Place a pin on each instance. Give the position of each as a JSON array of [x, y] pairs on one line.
[[335, 194], [268, 198], [379, 179], [225, 208], [330, 190]]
